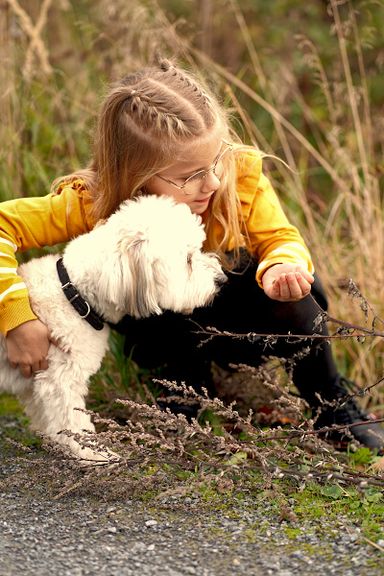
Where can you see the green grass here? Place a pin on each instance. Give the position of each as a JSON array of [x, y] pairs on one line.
[[13, 423]]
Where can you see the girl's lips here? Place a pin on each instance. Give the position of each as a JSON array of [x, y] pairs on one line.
[[204, 199]]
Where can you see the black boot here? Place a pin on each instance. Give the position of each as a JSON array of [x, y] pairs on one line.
[[346, 412]]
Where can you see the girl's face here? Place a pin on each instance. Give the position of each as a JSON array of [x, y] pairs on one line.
[[195, 175]]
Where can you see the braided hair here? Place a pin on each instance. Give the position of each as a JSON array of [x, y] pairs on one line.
[[143, 122]]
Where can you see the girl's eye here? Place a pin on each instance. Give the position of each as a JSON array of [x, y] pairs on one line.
[[196, 177]]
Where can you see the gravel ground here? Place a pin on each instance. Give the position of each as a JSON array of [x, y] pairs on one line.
[[170, 537], [173, 535], [76, 537]]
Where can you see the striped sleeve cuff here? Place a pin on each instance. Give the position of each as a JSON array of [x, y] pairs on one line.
[[8, 243], [16, 312], [17, 287]]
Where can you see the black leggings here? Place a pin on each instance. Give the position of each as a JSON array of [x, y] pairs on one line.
[[240, 307]]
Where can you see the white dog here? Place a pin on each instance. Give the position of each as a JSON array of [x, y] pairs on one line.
[[144, 259]]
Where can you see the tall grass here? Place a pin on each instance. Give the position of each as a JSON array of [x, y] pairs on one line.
[[343, 225], [57, 58]]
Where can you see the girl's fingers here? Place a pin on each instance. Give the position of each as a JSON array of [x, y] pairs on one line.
[[35, 367], [305, 274], [305, 286], [291, 286], [295, 292], [284, 287], [43, 364], [26, 370]]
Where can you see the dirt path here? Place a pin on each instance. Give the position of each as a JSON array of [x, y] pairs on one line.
[[172, 535]]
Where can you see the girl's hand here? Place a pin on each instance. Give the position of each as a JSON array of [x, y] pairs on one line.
[[27, 347], [287, 282]]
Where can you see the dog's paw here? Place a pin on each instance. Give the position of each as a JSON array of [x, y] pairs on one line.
[[87, 452], [96, 457]]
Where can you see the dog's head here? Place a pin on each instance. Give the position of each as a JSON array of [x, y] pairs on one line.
[[157, 261]]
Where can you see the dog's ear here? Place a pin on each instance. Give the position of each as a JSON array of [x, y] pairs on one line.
[[142, 300], [127, 280], [110, 284]]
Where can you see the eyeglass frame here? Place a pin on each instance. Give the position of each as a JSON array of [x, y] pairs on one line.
[[229, 148]]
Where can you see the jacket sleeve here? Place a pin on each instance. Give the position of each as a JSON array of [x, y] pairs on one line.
[[271, 237], [33, 223]]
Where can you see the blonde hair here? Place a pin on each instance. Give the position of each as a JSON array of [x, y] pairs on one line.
[[143, 121]]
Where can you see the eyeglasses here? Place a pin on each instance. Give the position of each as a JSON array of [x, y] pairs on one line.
[[192, 182]]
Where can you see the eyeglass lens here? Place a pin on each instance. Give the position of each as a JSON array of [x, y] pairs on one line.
[[202, 174]]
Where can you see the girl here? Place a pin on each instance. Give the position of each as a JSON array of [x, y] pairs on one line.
[[161, 132]]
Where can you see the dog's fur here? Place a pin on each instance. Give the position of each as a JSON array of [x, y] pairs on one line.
[[144, 259]]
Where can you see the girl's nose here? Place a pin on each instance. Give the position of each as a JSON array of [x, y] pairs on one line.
[[211, 182]]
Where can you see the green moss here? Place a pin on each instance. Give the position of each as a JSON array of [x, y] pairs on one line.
[[365, 509], [292, 533], [251, 535], [9, 405]]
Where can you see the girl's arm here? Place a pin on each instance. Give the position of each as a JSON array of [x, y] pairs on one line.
[[32, 223], [285, 267]]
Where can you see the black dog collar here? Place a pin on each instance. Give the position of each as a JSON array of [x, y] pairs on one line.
[[73, 296]]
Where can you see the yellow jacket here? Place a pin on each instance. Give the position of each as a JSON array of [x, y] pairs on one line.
[[27, 223]]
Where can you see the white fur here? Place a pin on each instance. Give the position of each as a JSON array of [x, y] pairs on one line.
[[144, 259]]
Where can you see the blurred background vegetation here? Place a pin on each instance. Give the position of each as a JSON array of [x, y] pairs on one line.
[[304, 82]]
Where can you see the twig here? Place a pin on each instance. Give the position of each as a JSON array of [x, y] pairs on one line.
[[350, 330], [255, 336], [292, 432], [374, 544]]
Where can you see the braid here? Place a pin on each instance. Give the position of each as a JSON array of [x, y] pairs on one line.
[[166, 102], [151, 115], [188, 81]]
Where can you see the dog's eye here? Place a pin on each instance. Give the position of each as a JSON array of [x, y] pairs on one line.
[[189, 261]]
